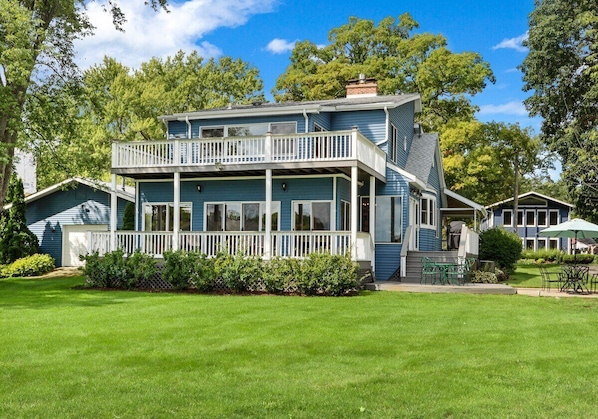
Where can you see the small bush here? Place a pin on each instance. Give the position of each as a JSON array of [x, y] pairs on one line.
[[108, 271], [481, 277], [140, 267], [501, 246], [279, 273], [582, 258], [239, 272], [327, 274], [34, 265]]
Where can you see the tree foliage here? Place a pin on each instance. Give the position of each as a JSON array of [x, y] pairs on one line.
[[16, 240], [400, 60], [482, 161], [36, 56], [561, 72]]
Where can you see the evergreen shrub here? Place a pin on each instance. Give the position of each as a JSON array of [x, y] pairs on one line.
[[501, 246]]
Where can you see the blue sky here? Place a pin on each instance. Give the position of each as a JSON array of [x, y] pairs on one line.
[[262, 32]]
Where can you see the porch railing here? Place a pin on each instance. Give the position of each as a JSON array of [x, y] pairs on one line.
[[309, 147], [296, 244]]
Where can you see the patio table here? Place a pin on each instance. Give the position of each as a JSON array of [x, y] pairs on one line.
[[444, 268], [576, 279]]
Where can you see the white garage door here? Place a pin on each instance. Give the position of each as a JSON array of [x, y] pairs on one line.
[[74, 242]]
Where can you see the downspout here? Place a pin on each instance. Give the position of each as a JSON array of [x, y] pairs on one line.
[[188, 125], [386, 126], [166, 125]]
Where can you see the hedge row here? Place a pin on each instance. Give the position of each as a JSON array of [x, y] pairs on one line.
[[33, 265], [318, 274]]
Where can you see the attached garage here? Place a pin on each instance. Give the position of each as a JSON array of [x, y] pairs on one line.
[[61, 215]]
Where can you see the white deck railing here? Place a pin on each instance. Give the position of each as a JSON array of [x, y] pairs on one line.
[[321, 146], [296, 244]]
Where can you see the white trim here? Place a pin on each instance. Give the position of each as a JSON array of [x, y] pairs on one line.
[[462, 199], [311, 218], [545, 212], [167, 204], [226, 127], [516, 222], [205, 179], [510, 211], [410, 177], [534, 224], [558, 216], [525, 195], [262, 209], [432, 205]]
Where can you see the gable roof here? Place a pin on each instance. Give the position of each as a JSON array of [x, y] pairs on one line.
[[311, 107], [127, 193], [527, 194]]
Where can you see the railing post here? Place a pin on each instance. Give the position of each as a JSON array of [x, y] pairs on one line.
[[113, 214], [268, 213], [372, 220], [354, 211], [354, 131], [177, 152], [177, 211], [268, 147], [114, 154]]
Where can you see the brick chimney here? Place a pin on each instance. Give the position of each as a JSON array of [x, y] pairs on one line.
[[362, 87]]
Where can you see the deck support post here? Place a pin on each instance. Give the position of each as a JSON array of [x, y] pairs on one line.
[[268, 214], [372, 226], [113, 213], [354, 211], [176, 227]]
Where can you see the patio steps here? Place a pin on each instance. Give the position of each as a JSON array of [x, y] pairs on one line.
[[414, 263]]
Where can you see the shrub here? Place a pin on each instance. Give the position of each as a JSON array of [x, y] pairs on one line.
[[239, 272], [189, 269], [108, 271], [33, 265], [582, 258], [327, 274], [549, 255], [501, 246], [480, 277], [278, 274], [140, 267]]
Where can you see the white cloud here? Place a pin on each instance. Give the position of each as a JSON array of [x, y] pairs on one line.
[[513, 43], [159, 34], [280, 46], [510, 108]]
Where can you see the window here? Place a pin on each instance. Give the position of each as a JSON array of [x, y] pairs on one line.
[[520, 218], [392, 144], [428, 211], [554, 243], [239, 216], [554, 217], [365, 214], [507, 218], [541, 244], [215, 132], [542, 218], [248, 130], [160, 217], [311, 215], [389, 219], [345, 216], [530, 218], [529, 244]]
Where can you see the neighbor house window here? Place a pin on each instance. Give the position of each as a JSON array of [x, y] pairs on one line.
[[160, 217], [520, 218], [239, 216], [530, 244], [345, 222], [311, 215], [542, 243], [530, 218], [554, 217], [507, 218], [554, 243], [542, 218], [389, 219]]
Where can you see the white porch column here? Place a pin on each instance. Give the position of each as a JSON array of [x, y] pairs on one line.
[[177, 211], [268, 212], [373, 219], [354, 211], [113, 213]]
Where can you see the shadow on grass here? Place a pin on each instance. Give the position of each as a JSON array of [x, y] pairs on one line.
[[41, 293]]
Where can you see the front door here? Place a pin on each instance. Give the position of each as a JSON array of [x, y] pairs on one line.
[[414, 223]]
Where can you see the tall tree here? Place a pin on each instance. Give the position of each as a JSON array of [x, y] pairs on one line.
[[16, 240], [401, 62], [36, 41], [561, 72], [485, 161], [115, 102]]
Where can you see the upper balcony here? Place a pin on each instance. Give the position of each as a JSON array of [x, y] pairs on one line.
[[316, 152]]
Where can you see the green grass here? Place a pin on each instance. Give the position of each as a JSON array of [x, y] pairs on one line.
[[81, 353], [528, 275]]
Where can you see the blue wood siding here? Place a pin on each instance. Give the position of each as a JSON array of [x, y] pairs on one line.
[[322, 119], [343, 193], [177, 129], [402, 118], [431, 240], [370, 123], [47, 215], [388, 255], [250, 190]]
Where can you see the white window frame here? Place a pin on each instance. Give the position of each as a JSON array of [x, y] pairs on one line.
[[311, 215], [430, 213], [169, 207], [522, 218], [510, 212], [262, 206], [545, 218], [361, 213], [345, 216], [530, 239], [542, 240], [226, 127], [393, 143], [534, 221], [558, 244]]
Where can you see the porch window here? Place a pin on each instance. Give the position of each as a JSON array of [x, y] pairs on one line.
[[365, 214], [160, 217], [311, 215], [212, 132], [345, 216], [389, 219], [239, 216]]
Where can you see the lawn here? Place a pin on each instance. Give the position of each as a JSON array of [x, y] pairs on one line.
[[83, 353], [528, 275]]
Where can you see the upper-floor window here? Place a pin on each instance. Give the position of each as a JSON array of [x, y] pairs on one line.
[[507, 218], [392, 143], [249, 130], [554, 217], [520, 218], [530, 218], [542, 218]]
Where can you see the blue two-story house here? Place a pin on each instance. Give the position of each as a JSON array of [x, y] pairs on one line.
[[286, 179]]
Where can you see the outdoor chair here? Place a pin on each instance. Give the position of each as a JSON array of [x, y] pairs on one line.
[[460, 273], [593, 285], [550, 278], [429, 270]]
